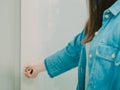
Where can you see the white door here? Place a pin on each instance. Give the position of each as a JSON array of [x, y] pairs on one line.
[[9, 44], [47, 26]]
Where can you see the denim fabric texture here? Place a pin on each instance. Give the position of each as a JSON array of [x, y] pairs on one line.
[[104, 55]]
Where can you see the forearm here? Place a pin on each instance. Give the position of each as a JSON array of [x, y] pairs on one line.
[[56, 66]]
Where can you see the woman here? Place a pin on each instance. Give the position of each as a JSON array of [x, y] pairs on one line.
[[98, 67]]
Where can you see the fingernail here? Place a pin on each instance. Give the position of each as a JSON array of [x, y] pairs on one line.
[[27, 69]]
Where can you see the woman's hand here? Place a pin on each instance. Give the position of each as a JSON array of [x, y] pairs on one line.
[[32, 70]]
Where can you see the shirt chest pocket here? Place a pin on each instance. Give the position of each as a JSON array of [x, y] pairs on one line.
[[108, 53]]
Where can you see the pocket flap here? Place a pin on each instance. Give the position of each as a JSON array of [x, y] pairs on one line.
[[106, 52]]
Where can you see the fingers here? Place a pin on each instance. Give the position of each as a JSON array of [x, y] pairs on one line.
[[28, 68], [28, 74], [27, 71], [31, 71]]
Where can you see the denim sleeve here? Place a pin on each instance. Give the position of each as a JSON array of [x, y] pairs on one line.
[[64, 59]]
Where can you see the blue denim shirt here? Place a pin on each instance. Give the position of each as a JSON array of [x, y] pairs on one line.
[[104, 55]]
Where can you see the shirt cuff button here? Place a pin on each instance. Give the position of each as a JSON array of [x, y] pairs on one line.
[[113, 55], [90, 55]]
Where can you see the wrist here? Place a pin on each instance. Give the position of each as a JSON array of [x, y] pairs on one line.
[[41, 66]]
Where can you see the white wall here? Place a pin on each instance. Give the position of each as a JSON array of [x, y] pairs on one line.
[[9, 44], [47, 26]]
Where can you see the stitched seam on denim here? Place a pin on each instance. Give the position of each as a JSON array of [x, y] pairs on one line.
[[63, 68]]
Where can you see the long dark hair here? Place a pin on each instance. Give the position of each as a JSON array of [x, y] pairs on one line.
[[96, 9]]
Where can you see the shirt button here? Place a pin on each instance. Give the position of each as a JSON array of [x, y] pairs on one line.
[[90, 55], [106, 16], [113, 55], [96, 33]]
